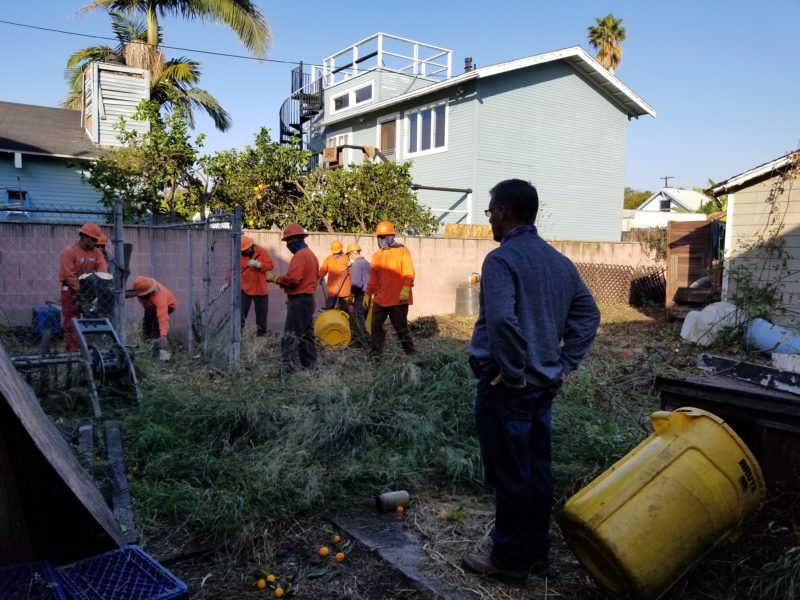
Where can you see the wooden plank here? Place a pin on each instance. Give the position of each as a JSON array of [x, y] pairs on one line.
[[120, 493], [768, 377], [64, 513]]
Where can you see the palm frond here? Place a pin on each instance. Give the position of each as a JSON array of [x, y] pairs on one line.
[[201, 99], [88, 55], [128, 27], [181, 71]]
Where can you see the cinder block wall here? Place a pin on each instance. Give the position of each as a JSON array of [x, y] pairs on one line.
[[29, 256]]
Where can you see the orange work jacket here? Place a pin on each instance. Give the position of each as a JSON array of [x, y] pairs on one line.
[[335, 267], [391, 270], [75, 261], [254, 281], [302, 275], [161, 301]]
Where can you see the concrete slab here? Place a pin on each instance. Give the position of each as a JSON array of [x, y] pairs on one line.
[[386, 534]]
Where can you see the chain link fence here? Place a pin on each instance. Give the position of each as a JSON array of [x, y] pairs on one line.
[[193, 260]]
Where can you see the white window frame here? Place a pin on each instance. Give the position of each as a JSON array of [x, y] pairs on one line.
[[398, 129], [407, 153], [332, 140], [351, 94]]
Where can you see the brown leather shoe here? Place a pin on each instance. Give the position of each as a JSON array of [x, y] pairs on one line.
[[482, 565]]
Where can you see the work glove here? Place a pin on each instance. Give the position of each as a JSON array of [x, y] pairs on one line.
[[256, 264], [224, 287], [367, 300], [271, 277], [164, 355], [404, 292]]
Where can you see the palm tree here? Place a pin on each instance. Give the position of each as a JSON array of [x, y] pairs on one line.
[[172, 82], [242, 16], [606, 36]]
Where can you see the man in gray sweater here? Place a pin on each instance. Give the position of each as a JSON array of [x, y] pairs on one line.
[[537, 321]]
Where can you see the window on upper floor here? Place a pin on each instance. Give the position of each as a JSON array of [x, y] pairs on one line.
[[426, 130], [17, 197], [665, 205], [352, 97]]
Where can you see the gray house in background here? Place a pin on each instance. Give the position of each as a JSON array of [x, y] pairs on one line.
[[42, 148], [558, 119]]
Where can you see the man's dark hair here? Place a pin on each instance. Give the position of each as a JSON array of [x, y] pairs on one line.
[[519, 197]]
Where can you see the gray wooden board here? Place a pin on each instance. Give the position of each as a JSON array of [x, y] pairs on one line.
[[120, 493], [386, 535], [64, 514], [769, 377]]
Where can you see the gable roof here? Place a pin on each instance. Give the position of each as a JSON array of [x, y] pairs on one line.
[[687, 200], [576, 56], [755, 175], [44, 130]]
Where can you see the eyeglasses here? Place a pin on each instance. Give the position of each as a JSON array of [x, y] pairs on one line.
[[488, 211]]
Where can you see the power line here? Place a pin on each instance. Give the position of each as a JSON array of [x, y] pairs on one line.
[[113, 39]]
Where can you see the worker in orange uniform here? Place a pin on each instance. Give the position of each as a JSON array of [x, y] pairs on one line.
[[255, 264], [389, 288], [158, 303], [78, 259], [298, 345], [336, 267]]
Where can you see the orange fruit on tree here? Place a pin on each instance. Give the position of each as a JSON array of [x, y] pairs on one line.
[[261, 584], [339, 556], [337, 538], [279, 592], [400, 508], [271, 578], [324, 551]]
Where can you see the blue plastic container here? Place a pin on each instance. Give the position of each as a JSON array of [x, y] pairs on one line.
[[125, 574], [30, 581], [768, 337], [47, 317]]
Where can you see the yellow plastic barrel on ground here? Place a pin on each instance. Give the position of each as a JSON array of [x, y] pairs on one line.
[[332, 328], [645, 522]]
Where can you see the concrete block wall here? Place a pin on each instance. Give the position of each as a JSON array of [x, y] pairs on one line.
[[29, 254]]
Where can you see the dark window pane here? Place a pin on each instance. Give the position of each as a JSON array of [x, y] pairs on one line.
[[412, 132], [364, 94], [341, 102], [440, 112], [425, 136]]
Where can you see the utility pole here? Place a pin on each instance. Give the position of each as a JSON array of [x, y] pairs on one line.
[[666, 179]]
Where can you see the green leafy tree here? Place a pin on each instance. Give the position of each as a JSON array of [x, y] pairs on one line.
[[173, 83], [242, 16], [718, 204], [634, 198], [356, 199], [153, 172], [606, 36], [265, 179]]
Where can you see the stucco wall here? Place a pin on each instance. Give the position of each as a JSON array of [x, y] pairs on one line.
[[29, 266]]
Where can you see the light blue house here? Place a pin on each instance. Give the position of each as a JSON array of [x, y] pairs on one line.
[[558, 119], [42, 149]]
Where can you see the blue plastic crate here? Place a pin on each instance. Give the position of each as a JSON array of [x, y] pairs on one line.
[[125, 574], [31, 581]]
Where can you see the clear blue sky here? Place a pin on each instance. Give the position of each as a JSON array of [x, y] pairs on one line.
[[723, 77]]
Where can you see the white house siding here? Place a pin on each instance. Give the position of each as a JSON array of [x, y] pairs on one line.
[[548, 125], [752, 223], [49, 183]]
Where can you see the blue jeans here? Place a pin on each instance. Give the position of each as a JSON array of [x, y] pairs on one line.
[[514, 431]]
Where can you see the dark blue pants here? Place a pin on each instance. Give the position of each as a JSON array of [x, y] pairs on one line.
[[514, 431], [298, 344]]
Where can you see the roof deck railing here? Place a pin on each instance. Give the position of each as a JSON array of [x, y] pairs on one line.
[[385, 51]]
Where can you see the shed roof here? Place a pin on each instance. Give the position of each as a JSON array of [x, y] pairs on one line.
[[755, 175], [576, 56], [44, 130]]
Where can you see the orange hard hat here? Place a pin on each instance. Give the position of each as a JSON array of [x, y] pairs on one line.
[[247, 242], [144, 285], [384, 228], [293, 230], [336, 246], [91, 230], [103, 240], [353, 248]]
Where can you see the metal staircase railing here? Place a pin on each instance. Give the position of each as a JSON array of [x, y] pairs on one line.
[[301, 106]]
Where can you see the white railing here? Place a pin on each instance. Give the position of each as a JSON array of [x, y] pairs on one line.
[[388, 52]]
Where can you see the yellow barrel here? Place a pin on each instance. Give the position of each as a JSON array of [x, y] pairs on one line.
[[332, 328], [650, 518]]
